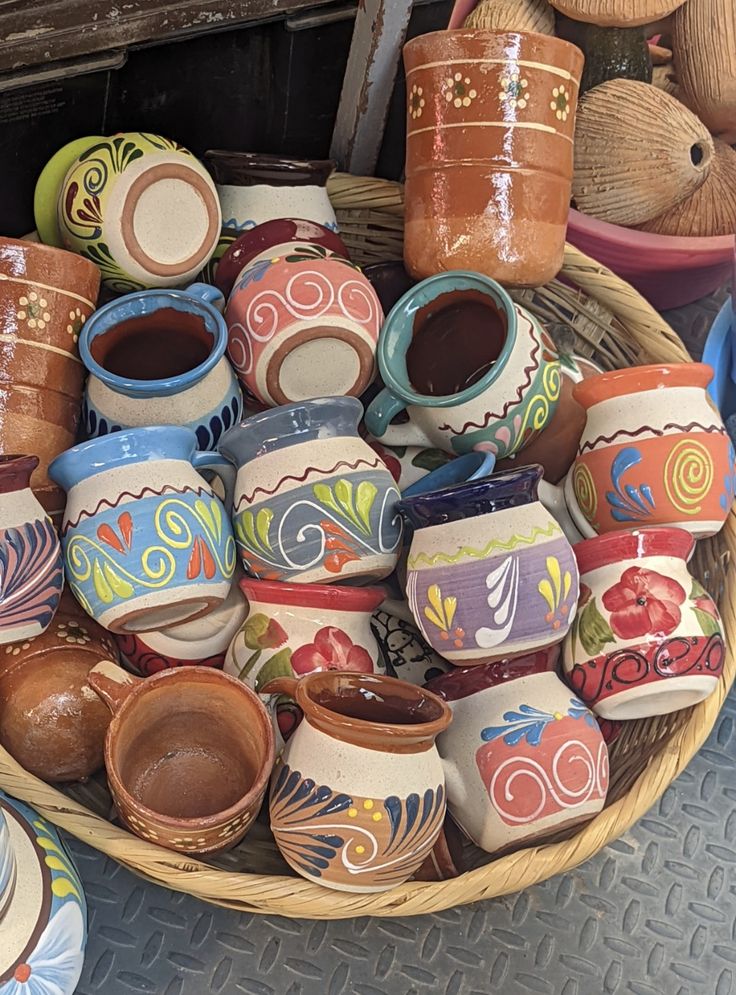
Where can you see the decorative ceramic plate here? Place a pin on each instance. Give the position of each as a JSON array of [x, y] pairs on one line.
[[48, 185], [43, 913]]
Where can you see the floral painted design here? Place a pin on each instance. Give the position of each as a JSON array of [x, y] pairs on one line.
[[529, 723], [643, 602], [76, 320], [54, 965], [33, 310], [705, 610], [416, 101], [393, 464], [15, 649], [628, 503], [556, 588], [514, 91], [441, 612], [560, 102], [458, 91], [332, 649], [73, 633]]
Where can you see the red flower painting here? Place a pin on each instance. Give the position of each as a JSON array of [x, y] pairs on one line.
[[644, 603], [332, 649]]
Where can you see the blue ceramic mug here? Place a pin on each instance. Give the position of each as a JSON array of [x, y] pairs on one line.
[[147, 543], [158, 357], [461, 470], [502, 411]]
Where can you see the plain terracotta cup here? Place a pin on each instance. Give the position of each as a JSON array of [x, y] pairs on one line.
[[188, 755]]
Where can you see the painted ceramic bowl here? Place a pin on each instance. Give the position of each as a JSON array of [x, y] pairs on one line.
[[303, 324], [142, 208], [461, 470], [523, 757], [295, 629], [274, 238], [200, 643], [43, 912], [654, 451], [490, 574], [647, 638]]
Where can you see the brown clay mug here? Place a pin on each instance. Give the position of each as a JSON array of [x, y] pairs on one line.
[[490, 126], [188, 755]]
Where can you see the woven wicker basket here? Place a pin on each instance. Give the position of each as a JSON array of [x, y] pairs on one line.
[[615, 325]]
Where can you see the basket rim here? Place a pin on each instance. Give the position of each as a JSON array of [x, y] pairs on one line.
[[297, 898]]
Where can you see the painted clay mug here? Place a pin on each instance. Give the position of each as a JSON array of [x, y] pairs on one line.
[[523, 757], [358, 798], [43, 911], [503, 408], [313, 502], [647, 639], [489, 153], [188, 755], [654, 451], [140, 207], [31, 565], [46, 296], [295, 629], [158, 357], [302, 323], [146, 541], [490, 574]]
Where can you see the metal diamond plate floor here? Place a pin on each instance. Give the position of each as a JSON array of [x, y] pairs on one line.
[[653, 914]]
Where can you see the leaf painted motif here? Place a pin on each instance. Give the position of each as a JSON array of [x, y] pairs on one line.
[[263, 524], [119, 585], [707, 623], [278, 666], [365, 496], [103, 589], [593, 630]]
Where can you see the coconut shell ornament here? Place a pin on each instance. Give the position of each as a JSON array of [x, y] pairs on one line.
[[512, 15], [617, 13], [638, 152], [704, 49]]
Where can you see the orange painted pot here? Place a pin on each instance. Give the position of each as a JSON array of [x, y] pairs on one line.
[[490, 126], [654, 451]]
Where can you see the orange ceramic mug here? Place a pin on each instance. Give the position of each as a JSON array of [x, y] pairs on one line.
[[188, 755], [489, 153]]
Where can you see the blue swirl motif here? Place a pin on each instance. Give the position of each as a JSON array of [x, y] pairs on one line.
[[529, 723], [729, 481], [628, 503], [323, 833]]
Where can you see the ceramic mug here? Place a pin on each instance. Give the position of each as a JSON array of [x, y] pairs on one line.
[[489, 153], [647, 638], [295, 629], [490, 574], [188, 755], [461, 470], [147, 543], [358, 798], [654, 451], [500, 412], [303, 323], [140, 207], [523, 757], [313, 502], [31, 564], [407, 464], [158, 357]]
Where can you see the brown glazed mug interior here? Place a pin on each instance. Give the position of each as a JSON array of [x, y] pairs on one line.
[[189, 746]]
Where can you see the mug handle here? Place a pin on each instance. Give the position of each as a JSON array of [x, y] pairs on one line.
[[208, 294], [281, 685], [378, 415], [220, 466], [113, 684]]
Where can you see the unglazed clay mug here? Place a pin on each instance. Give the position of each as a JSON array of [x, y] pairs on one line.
[[647, 638], [523, 757], [489, 153], [501, 410], [188, 755], [295, 629], [140, 207], [31, 565], [313, 502], [302, 323], [654, 451], [147, 543], [158, 357], [490, 574], [358, 798]]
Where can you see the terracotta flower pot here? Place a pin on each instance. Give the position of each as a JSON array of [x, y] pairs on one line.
[[490, 123], [647, 638], [46, 296]]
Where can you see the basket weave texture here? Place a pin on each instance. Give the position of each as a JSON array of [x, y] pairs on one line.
[[615, 325]]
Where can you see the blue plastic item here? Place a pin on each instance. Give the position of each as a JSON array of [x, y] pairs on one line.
[[719, 354]]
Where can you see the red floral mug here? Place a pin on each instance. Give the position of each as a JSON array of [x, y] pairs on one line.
[[647, 638]]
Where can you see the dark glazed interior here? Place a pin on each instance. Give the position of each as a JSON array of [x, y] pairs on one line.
[[244, 169], [15, 472], [174, 758], [157, 346]]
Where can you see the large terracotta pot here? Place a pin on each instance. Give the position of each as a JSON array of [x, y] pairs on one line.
[[46, 295], [490, 125]]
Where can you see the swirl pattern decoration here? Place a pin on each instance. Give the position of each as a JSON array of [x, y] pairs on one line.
[[584, 488], [688, 476]]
